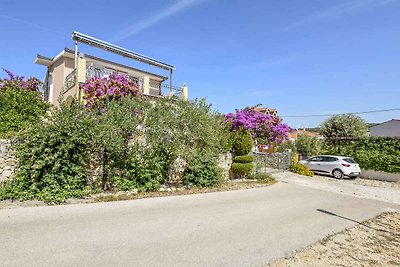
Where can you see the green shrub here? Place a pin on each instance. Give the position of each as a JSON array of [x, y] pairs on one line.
[[377, 153], [203, 173], [19, 109], [135, 143], [242, 143], [261, 177], [243, 159], [142, 169], [301, 169], [52, 158], [241, 170]]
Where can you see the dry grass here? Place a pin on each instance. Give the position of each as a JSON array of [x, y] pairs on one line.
[[227, 186]]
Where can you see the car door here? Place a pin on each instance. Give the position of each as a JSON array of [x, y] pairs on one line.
[[314, 163], [328, 164]]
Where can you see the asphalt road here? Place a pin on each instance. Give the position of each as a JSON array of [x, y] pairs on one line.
[[237, 228]]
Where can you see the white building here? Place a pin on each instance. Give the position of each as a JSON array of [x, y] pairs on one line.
[[386, 129]]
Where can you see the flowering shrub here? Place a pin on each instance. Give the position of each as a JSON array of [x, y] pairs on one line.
[[114, 86], [21, 103], [32, 84], [263, 127]]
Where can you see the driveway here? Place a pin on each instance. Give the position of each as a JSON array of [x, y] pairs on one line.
[[238, 228]]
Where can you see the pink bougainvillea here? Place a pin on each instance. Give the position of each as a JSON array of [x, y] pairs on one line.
[[263, 127], [32, 84], [111, 87]]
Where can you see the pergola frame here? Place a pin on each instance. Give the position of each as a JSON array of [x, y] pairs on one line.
[[86, 39]]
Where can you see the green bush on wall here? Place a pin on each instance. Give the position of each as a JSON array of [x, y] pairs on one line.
[[243, 159], [241, 170], [55, 154], [377, 153], [242, 143]]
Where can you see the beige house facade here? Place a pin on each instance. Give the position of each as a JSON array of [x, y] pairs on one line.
[[63, 78]]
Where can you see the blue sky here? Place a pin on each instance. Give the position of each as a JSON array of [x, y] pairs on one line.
[[301, 57]]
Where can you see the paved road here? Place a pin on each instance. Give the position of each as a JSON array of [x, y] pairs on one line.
[[237, 228]]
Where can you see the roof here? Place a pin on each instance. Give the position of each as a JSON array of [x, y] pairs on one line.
[[386, 122], [47, 61], [312, 134], [266, 110]]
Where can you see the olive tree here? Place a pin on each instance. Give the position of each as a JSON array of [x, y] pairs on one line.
[[343, 127]]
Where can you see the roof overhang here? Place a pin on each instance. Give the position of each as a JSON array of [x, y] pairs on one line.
[[86, 39], [42, 60]]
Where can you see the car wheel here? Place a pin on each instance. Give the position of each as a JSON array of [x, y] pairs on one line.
[[338, 174]]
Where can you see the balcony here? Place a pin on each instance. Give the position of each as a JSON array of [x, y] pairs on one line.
[[147, 85]]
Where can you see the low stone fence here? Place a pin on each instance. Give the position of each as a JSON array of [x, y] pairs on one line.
[[381, 176], [265, 161], [8, 164], [7, 160]]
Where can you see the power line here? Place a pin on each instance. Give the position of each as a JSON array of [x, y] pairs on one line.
[[332, 114]]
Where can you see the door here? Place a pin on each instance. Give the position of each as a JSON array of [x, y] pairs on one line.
[[328, 164], [314, 163]]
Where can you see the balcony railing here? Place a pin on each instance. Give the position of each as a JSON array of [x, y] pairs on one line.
[[167, 90], [70, 81], [155, 88]]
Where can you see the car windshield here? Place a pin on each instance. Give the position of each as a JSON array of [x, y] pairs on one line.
[[349, 160]]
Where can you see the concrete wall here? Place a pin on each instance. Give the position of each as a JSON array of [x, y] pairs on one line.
[[386, 129], [382, 176], [57, 69], [7, 160]]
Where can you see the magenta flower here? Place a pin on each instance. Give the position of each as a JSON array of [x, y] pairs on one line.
[[108, 88], [263, 127]]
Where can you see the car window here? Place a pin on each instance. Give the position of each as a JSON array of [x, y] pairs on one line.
[[315, 159], [330, 159], [349, 160]]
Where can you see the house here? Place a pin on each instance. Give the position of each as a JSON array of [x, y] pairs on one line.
[[293, 135], [386, 129], [269, 111], [69, 68]]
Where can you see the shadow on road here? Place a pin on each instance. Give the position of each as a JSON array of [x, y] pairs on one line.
[[349, 219]]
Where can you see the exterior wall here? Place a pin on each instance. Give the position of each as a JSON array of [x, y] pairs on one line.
[[69, 66], [386, 129], [7, 160], [58, 70]]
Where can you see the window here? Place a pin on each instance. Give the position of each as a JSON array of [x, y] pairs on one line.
[[349, 160], [315, 159], [330, 159]]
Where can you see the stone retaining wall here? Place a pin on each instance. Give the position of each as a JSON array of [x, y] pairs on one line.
[[7, 160], [225, 163]]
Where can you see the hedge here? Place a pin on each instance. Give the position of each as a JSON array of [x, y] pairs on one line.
[[243, 159], [377, 153]]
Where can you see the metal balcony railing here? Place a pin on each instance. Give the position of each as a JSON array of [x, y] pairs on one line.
[[156, 88], [167, 90], [70, 81]]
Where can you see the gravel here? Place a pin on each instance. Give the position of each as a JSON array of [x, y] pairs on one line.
[[375, 242]]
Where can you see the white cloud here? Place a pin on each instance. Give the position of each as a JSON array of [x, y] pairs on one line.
[[345, 8], [31, 24], [163, 14]]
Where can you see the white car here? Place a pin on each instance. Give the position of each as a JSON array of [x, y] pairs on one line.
[[337, 166]]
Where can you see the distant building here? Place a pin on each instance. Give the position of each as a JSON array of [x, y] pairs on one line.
[[295, 134], [265, 110], [386, 129]]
